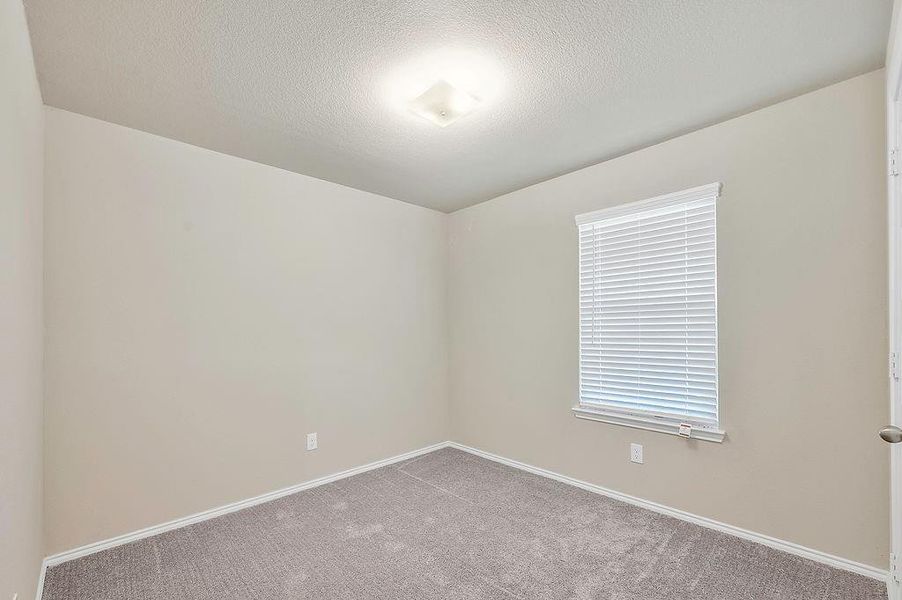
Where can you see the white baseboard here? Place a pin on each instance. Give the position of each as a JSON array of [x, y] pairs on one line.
[[228, 508], [40, 591], [766, 540], [790, 547]]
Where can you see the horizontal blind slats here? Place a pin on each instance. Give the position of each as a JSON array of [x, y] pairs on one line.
[[647, 312], [648, 362], [651, 225], [648, 274], [686, 258], [595, 370], [686, 396], [651, 381], [662, 409], [671, 241]]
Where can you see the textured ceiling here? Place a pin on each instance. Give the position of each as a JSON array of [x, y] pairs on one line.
[[318, 87]]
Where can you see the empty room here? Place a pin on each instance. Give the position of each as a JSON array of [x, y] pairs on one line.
[[486, 299]]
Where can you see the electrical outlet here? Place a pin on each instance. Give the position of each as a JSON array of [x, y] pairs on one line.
[[311, 441], [636, 453]]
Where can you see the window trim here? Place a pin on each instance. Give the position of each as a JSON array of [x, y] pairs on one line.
[[662, 201], [647, 420]]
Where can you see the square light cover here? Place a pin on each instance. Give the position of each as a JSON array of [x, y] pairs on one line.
[[443, 103]]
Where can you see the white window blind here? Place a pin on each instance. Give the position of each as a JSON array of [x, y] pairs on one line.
[[648, 311]]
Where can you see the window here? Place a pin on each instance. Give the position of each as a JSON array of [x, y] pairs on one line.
[[648, 314]]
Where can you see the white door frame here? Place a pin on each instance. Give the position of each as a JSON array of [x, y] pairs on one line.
[[894, 194]]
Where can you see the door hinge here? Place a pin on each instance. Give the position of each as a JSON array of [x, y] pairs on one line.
[[894, 568], [894, 366], [894, 162]]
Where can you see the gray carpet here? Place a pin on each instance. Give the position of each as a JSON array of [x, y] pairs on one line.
[[453, 526]]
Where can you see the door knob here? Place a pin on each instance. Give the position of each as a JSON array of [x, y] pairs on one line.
[[891, 434]]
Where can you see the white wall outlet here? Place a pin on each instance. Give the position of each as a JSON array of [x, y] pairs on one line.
[[311, 441], [636, 453]]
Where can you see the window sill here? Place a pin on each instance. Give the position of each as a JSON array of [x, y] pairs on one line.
[[647, 423]]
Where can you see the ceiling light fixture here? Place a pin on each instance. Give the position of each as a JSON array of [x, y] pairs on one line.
[[443, 85], [443, 103]]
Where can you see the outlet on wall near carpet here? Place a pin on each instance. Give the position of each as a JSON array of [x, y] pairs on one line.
[[311, 441], [636, 453]]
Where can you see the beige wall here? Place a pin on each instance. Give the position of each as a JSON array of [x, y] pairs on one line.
[[21, 321], [205, 312], [802, 312]]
